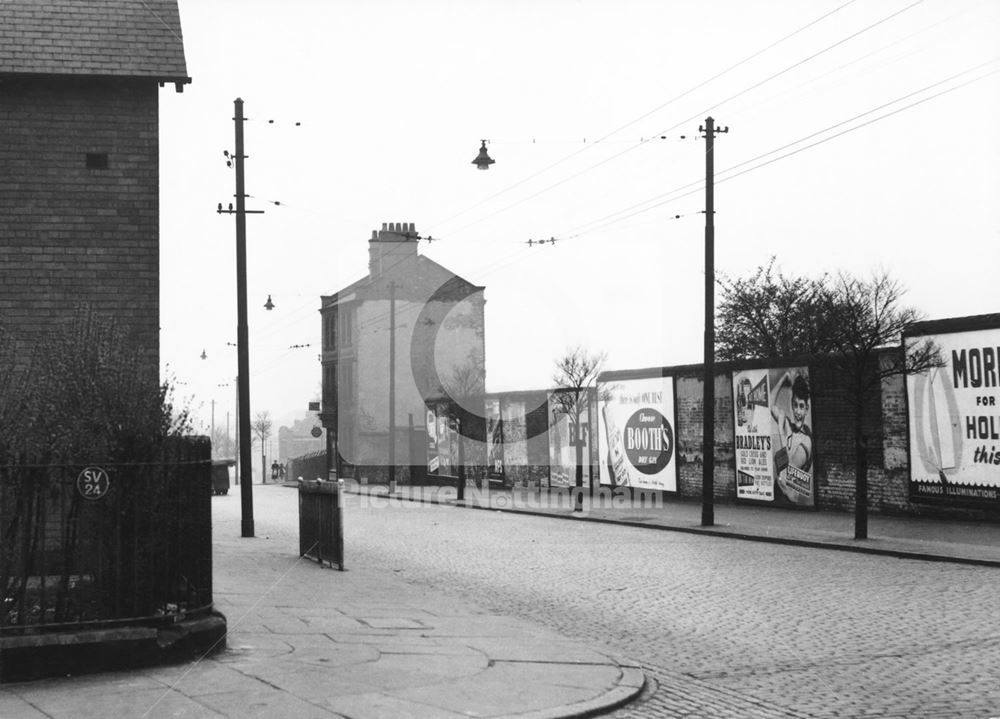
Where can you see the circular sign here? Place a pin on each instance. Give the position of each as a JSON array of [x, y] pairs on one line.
[[649, 441], [93, 483], [316, 432]]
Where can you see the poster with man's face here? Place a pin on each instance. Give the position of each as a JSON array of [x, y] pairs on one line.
[[773, 438]]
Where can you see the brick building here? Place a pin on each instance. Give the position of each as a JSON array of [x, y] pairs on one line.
[[79, 161], [439, 354]]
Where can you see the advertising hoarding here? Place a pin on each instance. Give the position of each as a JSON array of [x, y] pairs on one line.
[[773, 437], [433, 461], [515, 445], [636, 433], [563, 443], [954, 416], [442, 441], [494, 442]]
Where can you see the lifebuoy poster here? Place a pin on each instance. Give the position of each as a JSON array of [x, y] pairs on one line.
[[773, 436], [637, 437]]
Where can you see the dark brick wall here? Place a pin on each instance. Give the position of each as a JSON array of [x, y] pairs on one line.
[[833, 427], [70, 235], [689, 402]]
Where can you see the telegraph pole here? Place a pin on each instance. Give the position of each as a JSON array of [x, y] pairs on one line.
[[242, 331], [708, 426], [245, 472], [392, 387]]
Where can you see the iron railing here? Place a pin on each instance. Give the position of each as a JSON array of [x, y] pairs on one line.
[[321, 523], [106, 544]]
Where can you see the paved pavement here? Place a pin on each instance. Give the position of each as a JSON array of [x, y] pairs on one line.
[[931, 539], [309, 641]]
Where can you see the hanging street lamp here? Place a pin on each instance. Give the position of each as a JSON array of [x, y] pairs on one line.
[[483, 160]]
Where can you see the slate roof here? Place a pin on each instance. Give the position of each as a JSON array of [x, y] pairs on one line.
[[104, 38]]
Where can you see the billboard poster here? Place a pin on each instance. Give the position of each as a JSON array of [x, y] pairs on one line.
[[433, 461], [515, 451], [954, 415], [494, 441], [442, 441], [636, 434], [445, 442], [773, 437], [562, 444]]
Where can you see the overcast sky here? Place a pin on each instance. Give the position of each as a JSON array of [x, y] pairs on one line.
[[392, 99]]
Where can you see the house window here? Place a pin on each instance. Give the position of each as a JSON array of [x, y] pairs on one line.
[[346, 326], [330, 330]]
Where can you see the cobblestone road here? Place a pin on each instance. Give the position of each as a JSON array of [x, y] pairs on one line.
[[724, 628]]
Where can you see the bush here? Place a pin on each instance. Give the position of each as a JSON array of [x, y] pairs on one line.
[[85, 394]]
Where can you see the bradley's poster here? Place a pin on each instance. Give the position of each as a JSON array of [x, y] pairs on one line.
[[773, 438]]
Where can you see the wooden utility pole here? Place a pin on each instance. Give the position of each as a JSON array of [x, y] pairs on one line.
[[708, 426], [243, 436], [242, 330]]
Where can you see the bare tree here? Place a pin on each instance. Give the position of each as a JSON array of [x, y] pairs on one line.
[[223, 446], [466, 385], [867, 316], [262, 430], [576, 374]]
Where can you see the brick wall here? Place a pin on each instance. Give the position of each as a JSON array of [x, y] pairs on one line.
[[690, 431], [885, 425], [74, 235]]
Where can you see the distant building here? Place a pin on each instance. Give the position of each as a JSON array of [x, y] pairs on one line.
[[79, 184], [439, 356], [300, 439]]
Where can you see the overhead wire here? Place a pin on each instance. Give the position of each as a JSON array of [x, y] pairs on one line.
[[722, 175], [650, 112], [697, 185], [506, 262], [856, 60], [692, 117], [864, 124], [680, 96]]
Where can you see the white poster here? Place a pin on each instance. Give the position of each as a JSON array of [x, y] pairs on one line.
[[954, 414], [637, 438]]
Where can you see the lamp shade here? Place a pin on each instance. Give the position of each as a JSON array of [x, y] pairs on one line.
[[483, 160]]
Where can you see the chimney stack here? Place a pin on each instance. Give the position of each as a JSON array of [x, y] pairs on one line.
[[392, 250]]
